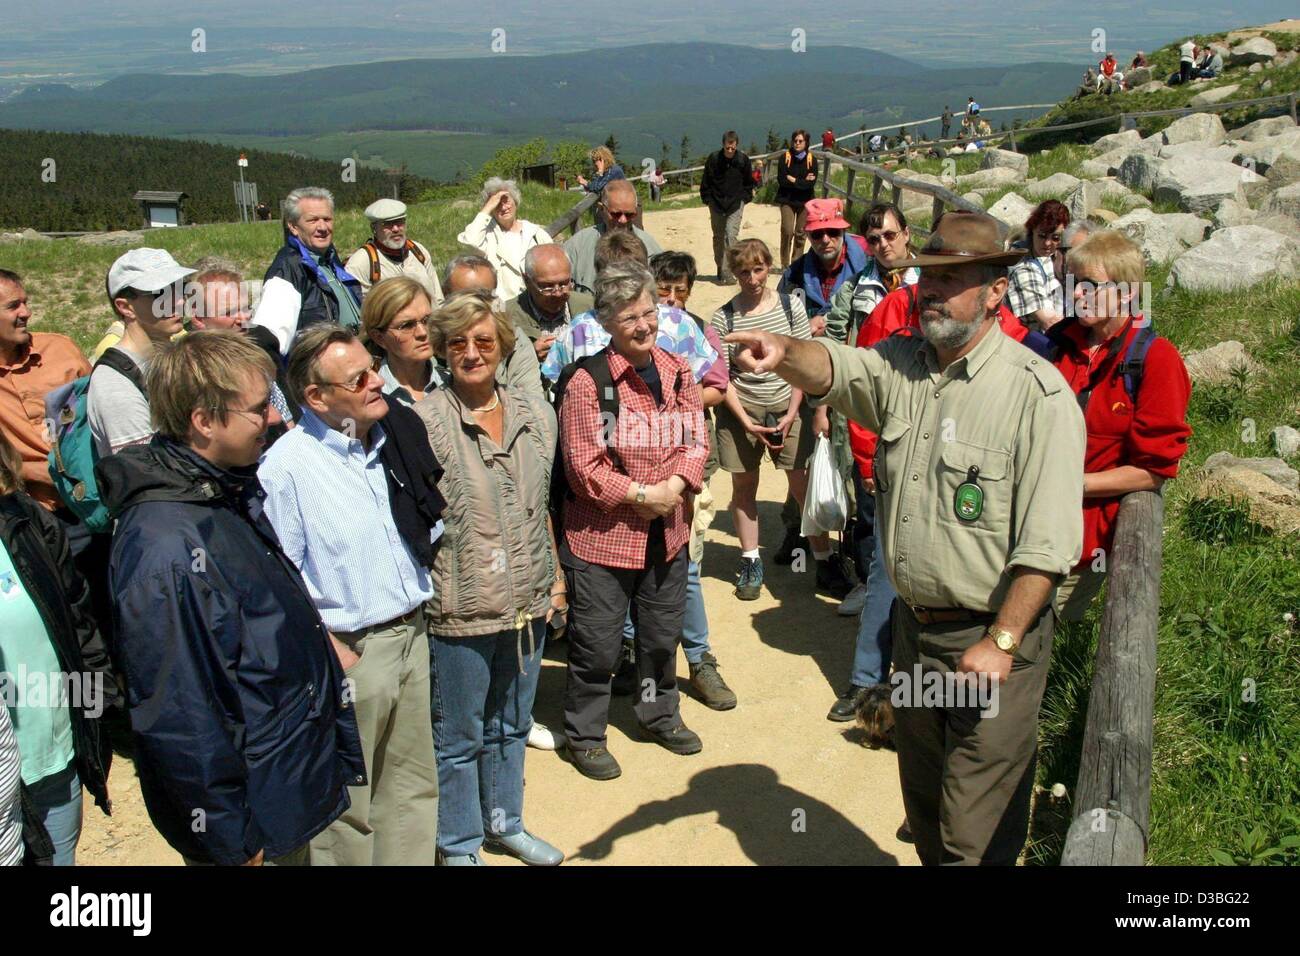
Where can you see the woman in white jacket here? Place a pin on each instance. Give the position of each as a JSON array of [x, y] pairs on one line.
[[502, 237]]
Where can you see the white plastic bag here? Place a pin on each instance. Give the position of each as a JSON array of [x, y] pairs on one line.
[[826, 506]]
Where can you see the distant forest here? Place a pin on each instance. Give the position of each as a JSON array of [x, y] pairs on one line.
[[94, 177]]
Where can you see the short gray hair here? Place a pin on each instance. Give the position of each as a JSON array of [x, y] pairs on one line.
[[620, 283], [494, 185], [293, 201], [530, 257], [467, 261], [302, 368]]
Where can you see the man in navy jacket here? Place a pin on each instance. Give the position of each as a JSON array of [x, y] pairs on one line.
[[245, 735]]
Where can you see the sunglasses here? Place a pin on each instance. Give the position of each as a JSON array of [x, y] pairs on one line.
[[486, 344], [888, 235], [356, 383], [1050, 236], [822, 233], [621, 216]]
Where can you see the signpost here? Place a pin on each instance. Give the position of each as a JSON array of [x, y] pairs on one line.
[[245, 207]]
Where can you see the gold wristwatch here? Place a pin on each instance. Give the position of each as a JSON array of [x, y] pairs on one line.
[[1004, 639], [640, 493]]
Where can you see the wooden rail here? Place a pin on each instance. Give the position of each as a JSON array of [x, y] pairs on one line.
[[570, 219], [1112, 798], [897, 181]]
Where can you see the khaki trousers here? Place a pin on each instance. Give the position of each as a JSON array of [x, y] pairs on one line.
[[967, 779], [393, 821]]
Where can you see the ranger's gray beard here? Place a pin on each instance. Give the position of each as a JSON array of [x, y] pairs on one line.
[[948, 333]]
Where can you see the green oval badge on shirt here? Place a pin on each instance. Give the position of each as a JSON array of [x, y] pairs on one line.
[[968, 502]]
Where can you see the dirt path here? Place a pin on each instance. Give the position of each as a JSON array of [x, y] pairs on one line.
[[776, 783]]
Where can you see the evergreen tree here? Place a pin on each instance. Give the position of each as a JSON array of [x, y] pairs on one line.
[[612, 145], [686, 150]]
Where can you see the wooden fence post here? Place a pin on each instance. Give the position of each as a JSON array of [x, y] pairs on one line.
[[848, 188], [1291, 102], [896, 197], [826, 176], [875, 188], [936, 210]]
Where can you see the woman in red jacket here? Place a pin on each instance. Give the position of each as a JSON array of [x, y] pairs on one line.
[[1137, 423]]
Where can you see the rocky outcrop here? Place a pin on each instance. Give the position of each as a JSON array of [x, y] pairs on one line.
[[1254, 50], [1200, 151], [1057, 184], [1196, 128], [1199, 185], [1235, 258], [1140, 171], [1162, 236], [1218, 364], [1011, 209], [1216, 95], [989, 178], [1264, 128], [1006, 159], [1271, 506], [1286, 441], [1260, 154], [1274, 468], [1086, 198]]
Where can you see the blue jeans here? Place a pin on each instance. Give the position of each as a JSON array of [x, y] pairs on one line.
[[58, 802], [482, 707], [695, 625], [875, 643]]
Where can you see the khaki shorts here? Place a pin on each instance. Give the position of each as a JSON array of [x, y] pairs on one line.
[[1077, 592], [739, 451]]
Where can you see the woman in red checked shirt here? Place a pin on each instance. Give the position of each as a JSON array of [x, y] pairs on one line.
[[1134, 442], [627, 525]]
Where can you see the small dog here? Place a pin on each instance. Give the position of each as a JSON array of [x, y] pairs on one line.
[[875, 715]]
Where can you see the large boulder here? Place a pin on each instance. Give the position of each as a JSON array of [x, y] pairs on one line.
[[973, 196], [1285, 167], [1138, 76], [989, 178], [1217, 154], [1011, 209], [1105, 215], [1197, 127], [1254, 50], [1126, 137], [1260, 154], [1270, 505], [1199, 185], [1265, 128], [913, 201], [1274, 468], [1236, 258], [1285, 58], [1232, 213], [1216, 95], [1153, 87], [1085, 199], [1218, 364], [1283, 202], [1162, 236], [1057, 184], [1006, 159], [1140, 171], [1286, 441], [1281, 224]]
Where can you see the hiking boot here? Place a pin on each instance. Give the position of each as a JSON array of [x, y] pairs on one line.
[[904, 834], [842, 710], [749, 579], [679, 740], [832, 579], [596, 763], [792, 540], [708, 683]]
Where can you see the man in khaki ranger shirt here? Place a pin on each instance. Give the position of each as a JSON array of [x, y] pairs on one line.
[[979, 473]]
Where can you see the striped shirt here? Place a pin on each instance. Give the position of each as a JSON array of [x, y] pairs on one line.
[[762, 388], [678, 333], [11, 807], [327, 498]]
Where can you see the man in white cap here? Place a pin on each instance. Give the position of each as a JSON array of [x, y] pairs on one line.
[[390, 253], [146, 291]]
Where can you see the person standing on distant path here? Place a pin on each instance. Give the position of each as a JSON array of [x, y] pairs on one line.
[[828, 140], [616, 211], [972, 109], [946, 121], [502, 237], [978, 481], [725, 187], [607, 171], [306, 283], [391, 253], [795, 178]]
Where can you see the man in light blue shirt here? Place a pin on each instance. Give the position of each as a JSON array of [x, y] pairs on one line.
[[327, 496]]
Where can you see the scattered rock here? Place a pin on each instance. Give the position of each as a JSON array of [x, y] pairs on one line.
[[463, 204], [1232, 213], [1140, 171], [1266, 86], [120, 237], [1006, 159], [1104, 144], [1057, 184], [1283, 225], [1199, 185], [1235, 258], [1270, 505], [1215, 365], [972, 196], [1257, 67], [1217, 154], [1104, 214], [1011, 209], [1285, 58], [1286, 441], [1197, 127], [989, 178], [1140, 76], [1152, 87], [1254, 50], [1216, 95], [1274, 468], [1285, 167], [1086, 198], [1265, 129], [1162, 236], [1260, 154], [27, 235], [1284, 202]]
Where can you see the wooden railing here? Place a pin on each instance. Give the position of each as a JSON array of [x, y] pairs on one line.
[[898, 180], [1112, 798], [570, 219]]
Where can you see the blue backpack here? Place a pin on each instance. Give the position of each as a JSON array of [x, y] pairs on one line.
[[72, 446]]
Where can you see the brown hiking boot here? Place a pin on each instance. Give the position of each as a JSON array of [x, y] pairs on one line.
[[708, 683]]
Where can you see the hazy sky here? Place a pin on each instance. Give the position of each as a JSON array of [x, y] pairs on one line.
[[97, 38]]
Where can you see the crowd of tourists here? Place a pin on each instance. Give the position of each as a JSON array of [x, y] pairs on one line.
[[305, 553]]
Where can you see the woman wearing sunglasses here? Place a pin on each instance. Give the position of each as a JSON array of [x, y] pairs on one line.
[[1036, 293], [497, 583]]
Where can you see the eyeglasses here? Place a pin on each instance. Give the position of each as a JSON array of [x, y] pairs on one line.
[[485, 344], [889, 235], [409, 326], [632, 320], [1050, 236], [354, 384], [1090, 287], [553, 288], [673, 290], [260, 412], [816, 234]]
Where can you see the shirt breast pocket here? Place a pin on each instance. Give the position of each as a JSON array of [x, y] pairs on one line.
[[889, 453], [975, 487]]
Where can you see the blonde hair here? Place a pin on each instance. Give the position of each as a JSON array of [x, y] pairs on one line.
[[11, 465], [461, 311], [602, 152], [207, 370], [387, 298], [1110, 250], [748, 252]]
